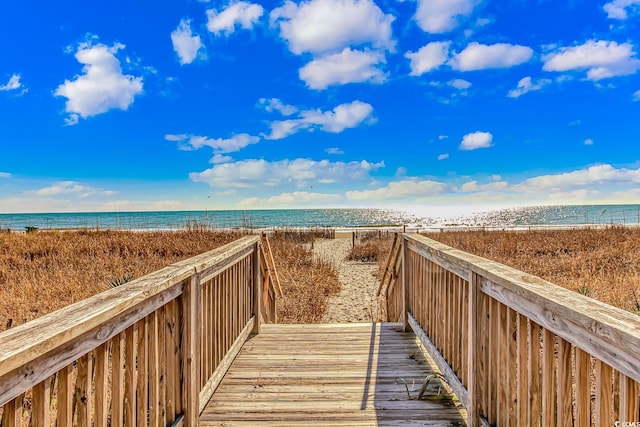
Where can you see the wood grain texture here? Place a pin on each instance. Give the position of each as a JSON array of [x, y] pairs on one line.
[[609, 334], [271, 383]]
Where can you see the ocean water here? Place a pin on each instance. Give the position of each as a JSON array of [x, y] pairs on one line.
[[513, 217]]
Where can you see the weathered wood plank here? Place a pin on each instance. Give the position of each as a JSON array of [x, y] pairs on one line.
[[213, 382], [65, 397], [101, 385], [12, 412], [91, 321], [583, 388], [604, 394], [614, 339], [345, 388], [40, 404]]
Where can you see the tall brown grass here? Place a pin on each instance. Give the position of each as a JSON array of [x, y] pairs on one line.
[[307, 281], [601, 263], [43, 271]]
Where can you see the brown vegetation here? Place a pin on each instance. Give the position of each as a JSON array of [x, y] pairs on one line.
[[44, 271], [307, 281], [41, 272], [600, 263], [371, 247]]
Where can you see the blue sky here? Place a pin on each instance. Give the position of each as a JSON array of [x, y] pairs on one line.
[[178, 105]]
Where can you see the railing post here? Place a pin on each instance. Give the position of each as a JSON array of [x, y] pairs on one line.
[[257, 289], [472, 353], [405, 284], [191, 363]]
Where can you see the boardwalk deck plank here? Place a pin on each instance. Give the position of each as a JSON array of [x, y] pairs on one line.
[[329, 375]]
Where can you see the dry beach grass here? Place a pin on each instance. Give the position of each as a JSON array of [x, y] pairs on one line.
[[602, 263], [41, 272]]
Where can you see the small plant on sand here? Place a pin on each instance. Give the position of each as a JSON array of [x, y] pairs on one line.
[[423, 392]]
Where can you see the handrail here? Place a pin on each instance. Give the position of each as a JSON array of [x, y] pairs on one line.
[[517, 348], [152, 349]]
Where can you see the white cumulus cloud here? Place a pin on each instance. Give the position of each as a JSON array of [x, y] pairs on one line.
[[334, 150], [321, 26], [343, 116], [618, 9], [295, 198], [593, 175], [526, 84], [241, 13], [443, 156], [102, 86], [600, 58], [588, 141], [477, 56], [475, 140], [428, 57], [460, 84], [399, 190], [220, 146], [73, 187], [297, 173], [348, 66], [5, 175], [185, 44], [439, 16], [473, 186], [636, 96], [14, 83], [275, 104]]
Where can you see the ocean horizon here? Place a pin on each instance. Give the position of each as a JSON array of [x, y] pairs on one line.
[[557, 215]]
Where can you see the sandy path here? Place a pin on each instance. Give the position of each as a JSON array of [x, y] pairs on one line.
[[356, 301]]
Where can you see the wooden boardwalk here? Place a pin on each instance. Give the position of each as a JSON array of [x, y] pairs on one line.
[[329, 375]]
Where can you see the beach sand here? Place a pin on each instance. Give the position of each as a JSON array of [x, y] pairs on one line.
[[356, 301]]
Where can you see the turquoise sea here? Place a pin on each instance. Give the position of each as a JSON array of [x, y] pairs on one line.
[[513, 217]]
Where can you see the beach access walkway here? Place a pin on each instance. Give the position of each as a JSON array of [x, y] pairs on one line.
[[462, 341], [362, 374]]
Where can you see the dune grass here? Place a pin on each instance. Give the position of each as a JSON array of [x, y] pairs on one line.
[[603, 264], [41, 272]]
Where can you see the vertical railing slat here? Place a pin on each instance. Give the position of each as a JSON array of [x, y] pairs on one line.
[[548, 379], [565, 399], [522, 375], [583, 388], [534, 413], [130, 376], [512, 374], [191, 348], [153, 369], [604, 386], [117, 367], [64, 415], [503, 367], [142, 389], [162, 363], [101, 385], [473, 404], [83, 395], [629, 400], [12, 415], [171, 362], [40, 404]]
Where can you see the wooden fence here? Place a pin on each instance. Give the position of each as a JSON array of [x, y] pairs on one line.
[[150, 352], [517, 350]]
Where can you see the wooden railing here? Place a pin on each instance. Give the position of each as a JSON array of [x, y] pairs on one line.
[[517, 350], [150, 352]]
